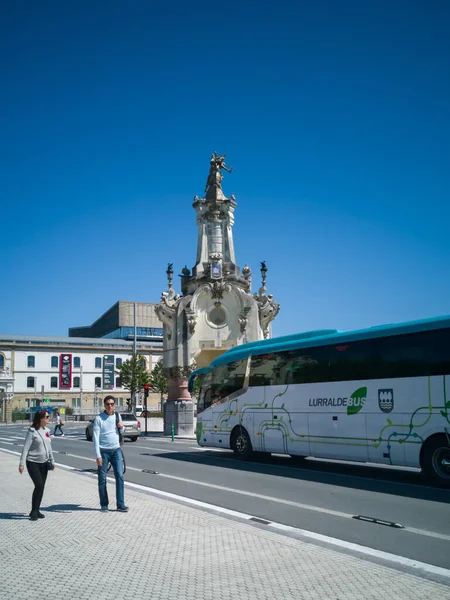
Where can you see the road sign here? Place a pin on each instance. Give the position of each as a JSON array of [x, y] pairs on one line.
[[47, 399]]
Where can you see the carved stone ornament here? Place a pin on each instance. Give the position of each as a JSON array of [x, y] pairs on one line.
[[217, 289], [166, 310], [268, 310], [177, 372], [191, 320], [243, 318]]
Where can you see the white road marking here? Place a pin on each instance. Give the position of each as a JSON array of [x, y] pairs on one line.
[[309, 507]]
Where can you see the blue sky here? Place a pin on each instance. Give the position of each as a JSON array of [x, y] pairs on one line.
[[334, 115]]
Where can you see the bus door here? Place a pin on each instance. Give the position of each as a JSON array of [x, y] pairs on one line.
[[204, 412]]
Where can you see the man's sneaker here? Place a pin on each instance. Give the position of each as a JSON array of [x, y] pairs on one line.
[[62, 435], [104, 509], [122, 508]]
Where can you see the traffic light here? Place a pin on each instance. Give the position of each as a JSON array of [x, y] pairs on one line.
[[129, 404], [146, 390]]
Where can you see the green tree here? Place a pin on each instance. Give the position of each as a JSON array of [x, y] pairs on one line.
[[158, 381], [133, 374]]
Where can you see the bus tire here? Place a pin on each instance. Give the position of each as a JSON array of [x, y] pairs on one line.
[[241, 443], [435, 459]]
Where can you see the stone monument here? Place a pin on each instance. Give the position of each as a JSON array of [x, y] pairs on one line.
[[216, 309]]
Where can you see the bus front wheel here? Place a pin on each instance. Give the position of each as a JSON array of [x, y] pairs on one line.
[[241, 443], [436, 460]]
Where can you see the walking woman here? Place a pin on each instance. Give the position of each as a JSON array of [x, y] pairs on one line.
[[38, 455]]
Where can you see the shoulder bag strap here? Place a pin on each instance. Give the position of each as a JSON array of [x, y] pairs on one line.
[[43, 441]]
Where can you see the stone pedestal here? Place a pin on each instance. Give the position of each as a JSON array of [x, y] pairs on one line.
[[179, 408], [181, 414]]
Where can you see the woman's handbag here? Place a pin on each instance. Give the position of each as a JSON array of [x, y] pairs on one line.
[[61, 422]]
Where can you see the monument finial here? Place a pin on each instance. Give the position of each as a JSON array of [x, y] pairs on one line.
[[169, 274], [214, 181]]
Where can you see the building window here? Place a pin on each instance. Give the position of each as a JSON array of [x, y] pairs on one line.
[[54, 361], [74, 402], [76, 362], [54, 382], [2, 361], [120, 401], [30, 381], [118, 382], [98, 363], [118, 362], [76, 382], [98, 382], [30, 361]]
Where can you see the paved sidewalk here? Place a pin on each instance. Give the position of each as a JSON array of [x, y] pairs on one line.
[[164, 550]]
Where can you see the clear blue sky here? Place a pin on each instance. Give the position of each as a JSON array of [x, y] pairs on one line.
[[334, 114]]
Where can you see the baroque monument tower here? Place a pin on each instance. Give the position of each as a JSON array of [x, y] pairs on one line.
[[216, 309]]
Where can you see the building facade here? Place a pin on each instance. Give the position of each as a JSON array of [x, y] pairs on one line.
[[70, 371]]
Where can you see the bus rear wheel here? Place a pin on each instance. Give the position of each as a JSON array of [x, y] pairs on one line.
[[436, 460], [241, 443]]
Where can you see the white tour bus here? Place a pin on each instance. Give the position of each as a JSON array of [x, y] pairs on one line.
[[375, 395]]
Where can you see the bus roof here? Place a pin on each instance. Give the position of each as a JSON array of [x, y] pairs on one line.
[[324, 337]]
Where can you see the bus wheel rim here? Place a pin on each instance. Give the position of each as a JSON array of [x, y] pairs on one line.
[[441, 462], [241, 443]]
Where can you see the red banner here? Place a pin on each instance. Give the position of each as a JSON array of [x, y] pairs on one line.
[[65, 371]]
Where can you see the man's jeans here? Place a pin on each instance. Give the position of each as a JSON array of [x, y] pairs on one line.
[[115, 456]]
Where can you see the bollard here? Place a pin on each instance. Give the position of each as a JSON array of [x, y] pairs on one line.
[[173, 431]]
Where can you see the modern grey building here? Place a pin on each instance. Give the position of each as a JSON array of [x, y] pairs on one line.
[[118, 323]]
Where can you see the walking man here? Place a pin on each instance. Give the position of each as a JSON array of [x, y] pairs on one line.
[[58, 424], [107, 449]]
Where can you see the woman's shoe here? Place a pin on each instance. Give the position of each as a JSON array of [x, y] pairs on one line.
[[33, 516], [40, 515]]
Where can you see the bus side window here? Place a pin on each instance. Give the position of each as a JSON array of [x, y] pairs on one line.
[[301, 366], [228, 379], [400, 356], [439, 351], [351, 360], [263, 370]]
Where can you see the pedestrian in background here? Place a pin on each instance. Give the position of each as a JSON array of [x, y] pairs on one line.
[[58, 424], [107, 426], [38, 456]]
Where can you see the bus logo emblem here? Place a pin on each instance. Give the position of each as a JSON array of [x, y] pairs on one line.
[[386, 400]]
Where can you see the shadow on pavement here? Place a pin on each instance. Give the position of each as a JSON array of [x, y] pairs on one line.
[[14, 516], [67, 508], [375, 479]]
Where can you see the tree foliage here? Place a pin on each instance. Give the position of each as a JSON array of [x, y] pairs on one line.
[[158, 380], [133, 374]]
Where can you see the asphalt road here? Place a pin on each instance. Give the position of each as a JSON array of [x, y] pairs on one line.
[[323, 497]]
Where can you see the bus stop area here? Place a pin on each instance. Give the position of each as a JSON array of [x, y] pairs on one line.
[[164, 549]]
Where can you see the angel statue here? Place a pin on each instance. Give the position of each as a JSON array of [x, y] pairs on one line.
[[215, 176]]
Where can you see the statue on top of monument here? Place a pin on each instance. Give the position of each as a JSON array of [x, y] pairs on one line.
[[215, 176]]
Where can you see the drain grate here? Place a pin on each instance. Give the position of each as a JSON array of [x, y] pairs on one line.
[[379, 521], [256, 520]]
